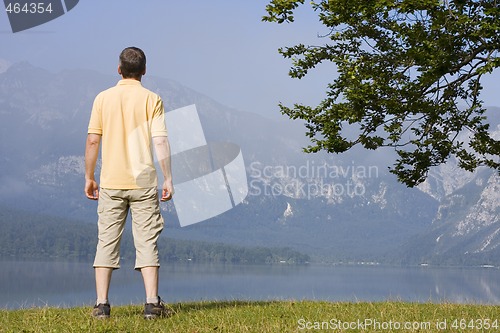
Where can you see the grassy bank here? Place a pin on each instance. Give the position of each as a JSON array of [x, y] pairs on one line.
[[283, 316]]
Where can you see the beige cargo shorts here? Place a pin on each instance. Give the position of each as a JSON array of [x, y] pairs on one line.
[[147, 224]]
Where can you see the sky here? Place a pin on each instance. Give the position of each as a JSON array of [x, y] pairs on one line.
[[220, 48]]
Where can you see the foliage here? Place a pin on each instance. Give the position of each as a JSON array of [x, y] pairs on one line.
[[273, 316], [404, 67], [31, 236]]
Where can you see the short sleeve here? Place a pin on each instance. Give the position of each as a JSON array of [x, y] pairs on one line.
[[158, 126], [95, 123]]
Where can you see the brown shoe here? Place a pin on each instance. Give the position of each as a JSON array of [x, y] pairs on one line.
[[101, 311], [156, 310]]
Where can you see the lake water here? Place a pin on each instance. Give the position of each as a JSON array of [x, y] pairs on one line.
[[28, 284]]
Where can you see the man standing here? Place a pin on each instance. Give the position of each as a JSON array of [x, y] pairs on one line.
[[127, 120]]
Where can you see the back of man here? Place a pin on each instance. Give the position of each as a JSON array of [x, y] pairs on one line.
[[128, 120], [127, 116]]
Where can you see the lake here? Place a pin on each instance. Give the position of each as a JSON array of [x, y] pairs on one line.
[[64, 284]]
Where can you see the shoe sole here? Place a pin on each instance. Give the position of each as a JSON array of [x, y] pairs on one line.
[[102, 317], [150, 316]]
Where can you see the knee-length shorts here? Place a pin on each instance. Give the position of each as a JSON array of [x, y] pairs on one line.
[[147, 223]]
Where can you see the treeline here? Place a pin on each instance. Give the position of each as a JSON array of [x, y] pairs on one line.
[[177, 250], [31, 236]]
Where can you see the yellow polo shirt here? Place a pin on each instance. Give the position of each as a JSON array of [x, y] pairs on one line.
[[127, 116]]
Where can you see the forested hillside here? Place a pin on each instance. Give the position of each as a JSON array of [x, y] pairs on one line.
[[29, 236]]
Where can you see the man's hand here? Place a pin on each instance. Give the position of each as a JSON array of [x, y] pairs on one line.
[[168, 190], [91, 189]]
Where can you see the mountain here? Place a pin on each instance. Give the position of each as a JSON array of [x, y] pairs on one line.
[[334, 207], [465, 230]]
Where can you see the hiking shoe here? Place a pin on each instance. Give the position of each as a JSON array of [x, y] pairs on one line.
[[101, 311], [156, 310]]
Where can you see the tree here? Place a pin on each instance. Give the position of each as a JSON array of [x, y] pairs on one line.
[[409, 77]]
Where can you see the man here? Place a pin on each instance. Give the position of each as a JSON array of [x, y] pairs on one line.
[[127, 120]]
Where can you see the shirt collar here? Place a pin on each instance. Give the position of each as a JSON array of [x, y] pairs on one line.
[[134, 82]]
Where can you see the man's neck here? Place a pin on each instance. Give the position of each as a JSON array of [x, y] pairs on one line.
[[132, 78]]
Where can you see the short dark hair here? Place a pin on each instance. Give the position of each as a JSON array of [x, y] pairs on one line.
[[132, 62]]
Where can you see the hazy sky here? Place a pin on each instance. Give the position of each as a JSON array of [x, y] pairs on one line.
[[219, 48]]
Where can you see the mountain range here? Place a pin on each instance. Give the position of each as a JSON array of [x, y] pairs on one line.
[[336, 208]]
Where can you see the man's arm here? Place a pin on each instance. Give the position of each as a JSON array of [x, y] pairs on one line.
[[162, 149], [91, 154]]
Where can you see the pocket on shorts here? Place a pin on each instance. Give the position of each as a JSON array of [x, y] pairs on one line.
[[147, 208]]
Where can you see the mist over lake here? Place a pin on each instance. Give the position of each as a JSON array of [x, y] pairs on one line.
[[27, 284]]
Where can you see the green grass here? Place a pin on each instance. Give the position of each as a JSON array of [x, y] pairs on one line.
[[275, 316]]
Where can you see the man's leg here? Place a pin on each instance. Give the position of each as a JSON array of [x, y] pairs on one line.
[[147, 224], [154, 306], [150, 277], [112, 210], [102, 281]]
